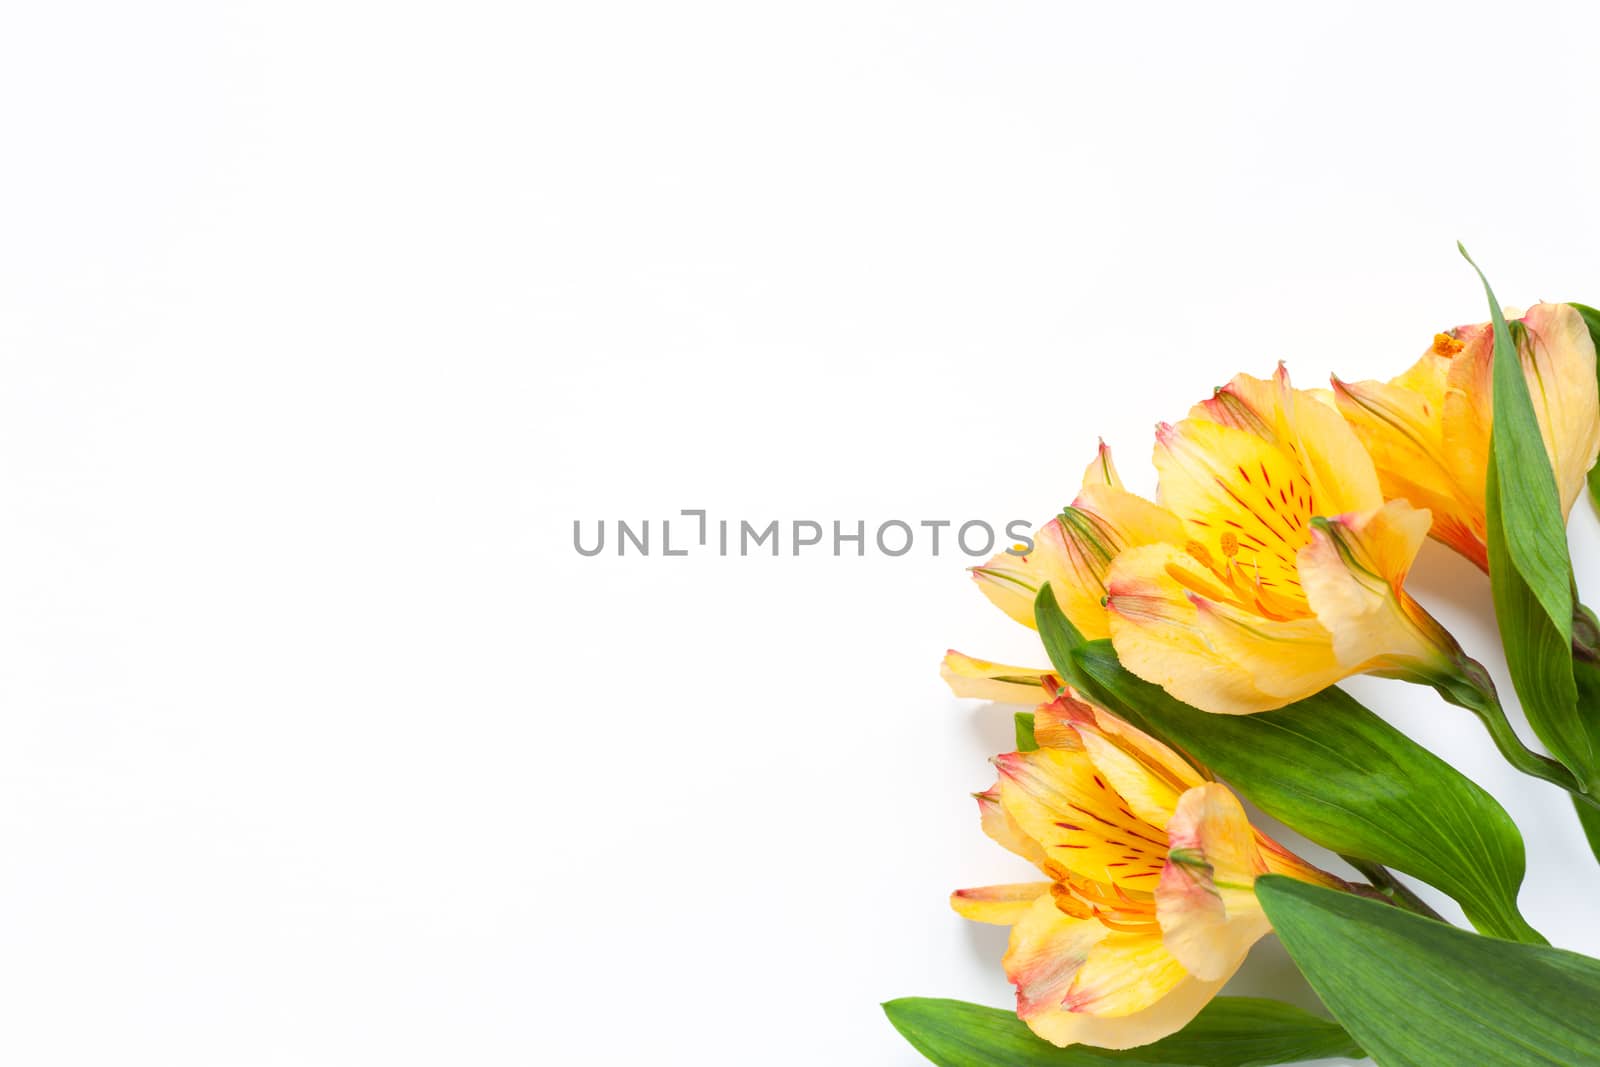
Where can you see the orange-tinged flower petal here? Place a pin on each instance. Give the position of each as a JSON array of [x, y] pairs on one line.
[[1465, 425], [1206, 900], [1123, 974], [1246, 506], [1166, 1016], [1129, 520], [1328, 454], [1428, 430], [1354, 571], [1147, 781], [1399, 426], [1058, 799], [1003, 829], [1012, 582], [979, 679], [1280, 860], [1288, 659], [1101, 471], [1073, 551], [1152, 753], [1001, 905], [1560, 365], [1056, 722], [1047, 949], [1200, 652]]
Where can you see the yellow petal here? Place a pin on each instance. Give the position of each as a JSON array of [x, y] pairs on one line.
[[1056, 723], [1073, 551], [1166, 1016], [1058, 799], [1429, 429], [1332, 462], [1047, 949], [1147, 774], [1280, 860], [1003, 830], [1124, 973], [1130, 519], [1354, 572], [1203, 653], [1152, 753], [1559, 364], [1245, 503], [1288, 659], [1245, 403], [980, 679], [1001, 905], [1206, 901], [1011, 582], [1466, 422], [1402, 427], [1101, 471]]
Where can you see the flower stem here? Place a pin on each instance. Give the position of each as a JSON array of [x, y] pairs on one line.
[[1473, 689], [1385, 886], [1391, 888]]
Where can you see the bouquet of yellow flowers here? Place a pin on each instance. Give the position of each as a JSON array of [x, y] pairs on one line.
[[1191, 647]]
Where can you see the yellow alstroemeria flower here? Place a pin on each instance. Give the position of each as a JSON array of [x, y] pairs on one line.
[[1147, 906], [1073, 552], [1290, 571], [1428, 430]]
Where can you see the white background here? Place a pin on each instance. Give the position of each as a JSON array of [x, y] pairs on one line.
[[322, 323]]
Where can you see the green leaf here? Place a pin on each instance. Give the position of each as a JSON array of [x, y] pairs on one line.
[[1591, 319], [1024, 727], [1228, 1032], [1530, 573], [1536, 537], [1061, 638], [1332, 770], [1062, 641], [1414, 991], [1538, 653], [1589, 819], [1586, 672]]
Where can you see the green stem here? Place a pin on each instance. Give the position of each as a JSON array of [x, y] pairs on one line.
[[1473, 689], [1385, 886], [1585, 632], [1391, 888]]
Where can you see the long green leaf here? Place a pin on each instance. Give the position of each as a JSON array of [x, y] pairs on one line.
[[1417, 993], [1228, 1032], [1586, 672], [1591, 319], [1538, 653], [1332, 770], [1536, 537], [1589, 819], [1530, 573], [1062, 641]]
